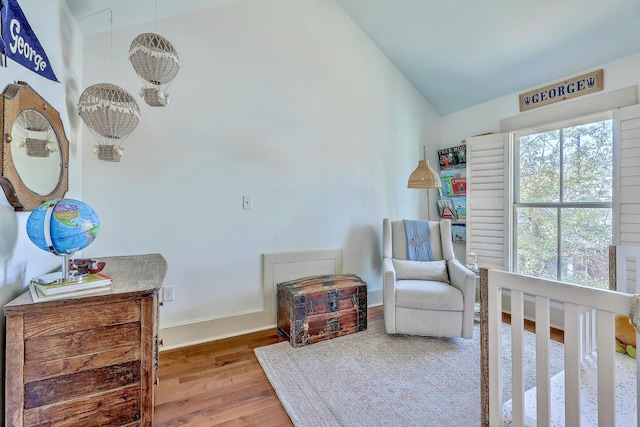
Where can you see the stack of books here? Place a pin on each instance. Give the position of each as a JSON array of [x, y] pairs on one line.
[[88, 284]]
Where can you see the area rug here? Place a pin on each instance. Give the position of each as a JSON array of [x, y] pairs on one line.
[[374, 379]]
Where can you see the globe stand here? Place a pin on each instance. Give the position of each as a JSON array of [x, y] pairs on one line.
[[62, 276]]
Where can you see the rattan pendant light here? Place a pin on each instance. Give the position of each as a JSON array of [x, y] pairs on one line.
[[111, 114], [424, 176], [156, 62]]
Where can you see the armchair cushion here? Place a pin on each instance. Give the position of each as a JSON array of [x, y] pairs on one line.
[[421, 270], [428, 295]]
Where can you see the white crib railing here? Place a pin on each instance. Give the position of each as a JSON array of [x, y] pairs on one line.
[[589, 319]]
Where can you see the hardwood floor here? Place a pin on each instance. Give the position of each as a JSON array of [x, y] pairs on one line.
[[555, 334], [221, 383]]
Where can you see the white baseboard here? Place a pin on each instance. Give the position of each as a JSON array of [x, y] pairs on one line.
[[374, 298], [276, 268]]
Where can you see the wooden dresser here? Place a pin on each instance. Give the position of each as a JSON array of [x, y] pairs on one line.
[[87, 360]]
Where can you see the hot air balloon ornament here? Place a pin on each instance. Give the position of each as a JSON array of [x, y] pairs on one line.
[[111, 114], [38, 137], [156, 62]]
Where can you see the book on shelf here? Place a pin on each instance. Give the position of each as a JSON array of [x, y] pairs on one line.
[[460, 207], [447, 188], [459, 185], [91, 281], [37, 295], [459, 233], [453, 157], [446, 209]]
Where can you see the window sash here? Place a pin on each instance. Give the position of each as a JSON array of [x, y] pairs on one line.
[[560, 205]]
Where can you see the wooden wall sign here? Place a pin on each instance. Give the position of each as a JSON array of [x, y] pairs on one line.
[[577, 86]]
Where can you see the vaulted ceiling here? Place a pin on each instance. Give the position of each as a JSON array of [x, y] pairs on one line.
[[456, 53]]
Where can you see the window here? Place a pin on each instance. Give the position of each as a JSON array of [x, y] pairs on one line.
[[492, 175], [562, 201]]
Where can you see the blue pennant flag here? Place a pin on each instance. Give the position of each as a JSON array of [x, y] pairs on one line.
[[20, 43]]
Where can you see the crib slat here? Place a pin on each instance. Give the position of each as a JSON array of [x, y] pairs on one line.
[[572, 364], [589, 326], [542, 361], [605, 329], [517, 357], [495, 355], [585, 327]]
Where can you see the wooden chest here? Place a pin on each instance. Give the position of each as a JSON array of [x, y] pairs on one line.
[[318, 308], [87, 360]]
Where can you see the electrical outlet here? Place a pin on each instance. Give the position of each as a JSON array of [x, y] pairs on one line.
[[169, 293]]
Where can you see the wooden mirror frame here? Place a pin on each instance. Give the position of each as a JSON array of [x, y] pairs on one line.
[[15, 99]]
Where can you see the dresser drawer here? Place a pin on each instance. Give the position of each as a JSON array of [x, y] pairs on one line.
[[80, 317], [78, 343], [115, 407], [67, 387]]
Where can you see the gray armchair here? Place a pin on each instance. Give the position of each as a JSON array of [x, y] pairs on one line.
[[426, 298]]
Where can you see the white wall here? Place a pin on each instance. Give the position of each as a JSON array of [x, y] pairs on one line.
[[486, 117], [285, 101], [61, 40]]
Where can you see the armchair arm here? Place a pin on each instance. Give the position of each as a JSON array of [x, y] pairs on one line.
[[389, 295], [464, 279]]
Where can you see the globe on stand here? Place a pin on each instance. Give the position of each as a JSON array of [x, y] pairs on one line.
[[62, 227]]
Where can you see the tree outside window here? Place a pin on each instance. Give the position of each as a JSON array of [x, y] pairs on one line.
[[562, 202]]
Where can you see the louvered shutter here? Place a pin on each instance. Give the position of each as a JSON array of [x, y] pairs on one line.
[[626, 196], [488, 205]]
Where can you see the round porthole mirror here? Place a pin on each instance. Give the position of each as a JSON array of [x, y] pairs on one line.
[[35, 150]]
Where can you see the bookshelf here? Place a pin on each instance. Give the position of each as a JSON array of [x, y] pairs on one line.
[[453, 194]]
